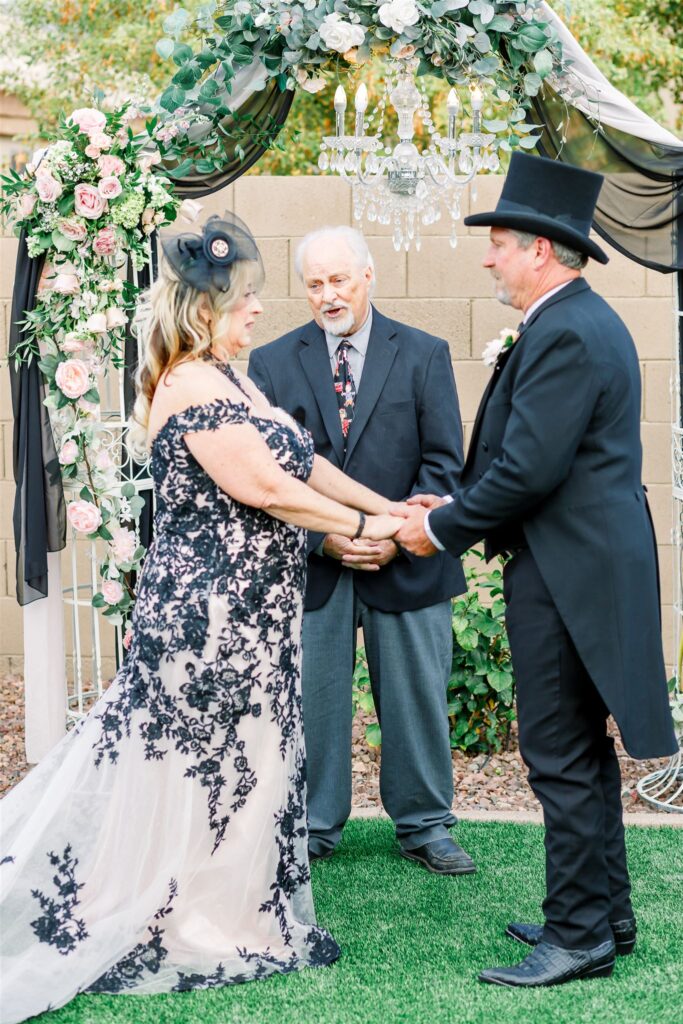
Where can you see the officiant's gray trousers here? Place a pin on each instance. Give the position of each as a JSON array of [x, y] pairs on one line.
[[409, 661]]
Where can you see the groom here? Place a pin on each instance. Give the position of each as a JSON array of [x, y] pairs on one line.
[[552, 482]]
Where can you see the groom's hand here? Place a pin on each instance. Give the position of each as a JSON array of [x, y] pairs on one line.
[[412, 534], [426, 500], [357, 554]]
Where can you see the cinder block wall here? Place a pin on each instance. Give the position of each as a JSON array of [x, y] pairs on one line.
[[440, 290]]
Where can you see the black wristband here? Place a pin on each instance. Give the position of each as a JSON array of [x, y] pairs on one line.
[[361, 525]]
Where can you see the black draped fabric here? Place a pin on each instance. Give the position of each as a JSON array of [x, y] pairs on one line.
[[258, 120], [640, 209], [39, 517]]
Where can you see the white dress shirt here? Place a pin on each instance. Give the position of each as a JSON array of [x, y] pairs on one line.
[[529, 312]]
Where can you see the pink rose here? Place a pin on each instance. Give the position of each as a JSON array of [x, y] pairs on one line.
[[116, 318], [109, 165], [103, 461], [48, 188], [123, 545], [72, 229], [66, 284], [148, 160], [97, 323], [72, 343], [88, 202], [68, 453], [88, 120], [72, 377], [101, 140], [92, 151], [127, 637], [26, 205], [83, 516], [110, 188], [104, 242], [112, 591]]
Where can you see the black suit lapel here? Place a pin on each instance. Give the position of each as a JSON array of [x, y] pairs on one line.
[[501, 362], [315, 361], [378, 361]]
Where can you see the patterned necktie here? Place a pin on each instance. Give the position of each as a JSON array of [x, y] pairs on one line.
[[345, 388]]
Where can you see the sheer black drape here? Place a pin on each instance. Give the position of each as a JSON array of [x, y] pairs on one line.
[[640, 209], [39, 515]]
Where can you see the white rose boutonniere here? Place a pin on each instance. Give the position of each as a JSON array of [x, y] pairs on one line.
[[493, 349]]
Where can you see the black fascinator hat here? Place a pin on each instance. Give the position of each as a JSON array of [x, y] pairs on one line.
[[204, 260]]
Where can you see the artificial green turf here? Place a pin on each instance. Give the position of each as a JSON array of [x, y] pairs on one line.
[[413, 943]]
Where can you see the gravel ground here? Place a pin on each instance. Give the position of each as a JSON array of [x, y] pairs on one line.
[[481, 783]]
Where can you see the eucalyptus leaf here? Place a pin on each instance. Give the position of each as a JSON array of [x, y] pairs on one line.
[[61, 242], [495, 126], [532, 83], [482, 42], [172, 98], [165, 48], [543, 62], [529, 141]]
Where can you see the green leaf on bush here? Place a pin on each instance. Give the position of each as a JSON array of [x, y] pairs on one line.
[[373, 735]]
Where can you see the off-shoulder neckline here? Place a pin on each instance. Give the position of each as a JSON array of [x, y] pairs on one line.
[[190, 408]]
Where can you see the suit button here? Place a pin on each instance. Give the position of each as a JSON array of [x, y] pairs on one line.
[[485, 445]]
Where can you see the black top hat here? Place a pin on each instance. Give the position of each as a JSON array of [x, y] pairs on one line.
[[550, 199], [204, 260]]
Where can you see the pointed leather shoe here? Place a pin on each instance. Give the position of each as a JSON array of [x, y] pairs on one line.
[[443, 857], [624, 933], [551, 965]]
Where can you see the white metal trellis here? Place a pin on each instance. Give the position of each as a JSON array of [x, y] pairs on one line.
[[89, 644], [664, 788]]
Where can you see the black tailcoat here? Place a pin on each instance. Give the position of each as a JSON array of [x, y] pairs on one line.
[[406, 438], [556, 453]]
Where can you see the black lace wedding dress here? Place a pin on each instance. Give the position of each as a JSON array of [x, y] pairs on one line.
[[162, 845]]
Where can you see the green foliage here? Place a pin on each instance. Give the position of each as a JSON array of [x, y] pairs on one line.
[[481, 688]]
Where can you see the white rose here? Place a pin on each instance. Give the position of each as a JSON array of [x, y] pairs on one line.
[[396, 14], [340, 35], [309, 84], [261, 19]]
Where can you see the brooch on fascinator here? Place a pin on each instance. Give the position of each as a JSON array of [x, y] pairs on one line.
[[204, 259]]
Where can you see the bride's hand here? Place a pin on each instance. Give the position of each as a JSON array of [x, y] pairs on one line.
[[381, 527]]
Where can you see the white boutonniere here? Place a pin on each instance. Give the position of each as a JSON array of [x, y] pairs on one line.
[[493, 349]]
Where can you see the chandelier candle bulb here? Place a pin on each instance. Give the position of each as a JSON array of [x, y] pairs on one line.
[[477, 104], [340, 109], [452, 106], [360, 107]]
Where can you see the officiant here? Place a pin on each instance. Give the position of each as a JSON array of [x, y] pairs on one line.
[[552, 482]]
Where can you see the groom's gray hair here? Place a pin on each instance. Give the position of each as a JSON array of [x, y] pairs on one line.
[[353, 238], [563, 253]]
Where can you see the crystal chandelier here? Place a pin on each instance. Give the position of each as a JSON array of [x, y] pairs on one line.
[[404, 187]]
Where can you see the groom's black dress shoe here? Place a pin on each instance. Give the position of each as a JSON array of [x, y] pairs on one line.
[[443, 857], [551, 965], [624, 933]]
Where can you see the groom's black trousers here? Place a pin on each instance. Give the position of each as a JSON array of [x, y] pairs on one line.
[[573, 767]]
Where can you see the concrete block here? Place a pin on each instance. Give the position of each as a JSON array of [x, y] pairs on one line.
[[8, 260], [390, 268], [445, 318], [275, 206], [216, 203], [657, 384], [275, 254], [8, 451], [620, 277], [5, 314], [4, 589], [489, 318], [665, 554], [440, 270], [660, 284], [10, 559], [6, 506], [11, 627], [279, 317], [471, 378], [661, 505], [651, 322], [488, 189], [669, 614], [656, 453]]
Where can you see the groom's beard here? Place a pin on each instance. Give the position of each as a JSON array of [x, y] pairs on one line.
[[502, 294]]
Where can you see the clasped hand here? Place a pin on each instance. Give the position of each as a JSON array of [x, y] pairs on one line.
[[411, 534], [404, 526]]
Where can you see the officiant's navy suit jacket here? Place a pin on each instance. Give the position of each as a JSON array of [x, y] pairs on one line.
[[556, 454], [405, 438]]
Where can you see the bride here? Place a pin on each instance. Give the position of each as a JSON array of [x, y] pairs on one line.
[[162, 845]]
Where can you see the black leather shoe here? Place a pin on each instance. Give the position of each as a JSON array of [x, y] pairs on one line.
[[624, 933], [551, 965], [443, 857], [323, 855]]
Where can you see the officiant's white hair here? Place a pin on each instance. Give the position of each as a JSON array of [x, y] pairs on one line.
[[353, 238]]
